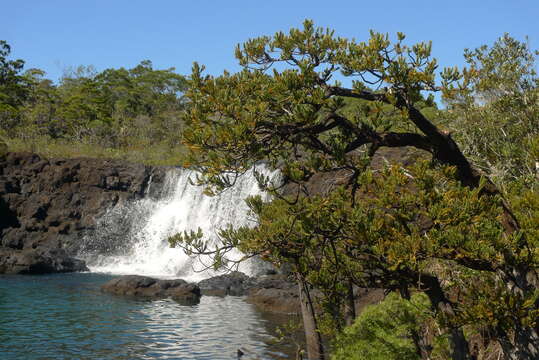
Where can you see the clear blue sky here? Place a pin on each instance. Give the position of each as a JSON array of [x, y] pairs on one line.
[[55, 34]]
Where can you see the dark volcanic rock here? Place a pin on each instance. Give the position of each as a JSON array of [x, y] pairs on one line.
[[285, 301], [367, 296], [146, 287], [52, 204], [38, 261], [323, 183], [274, 293], [271, 293], [236, 284], [278, 294]]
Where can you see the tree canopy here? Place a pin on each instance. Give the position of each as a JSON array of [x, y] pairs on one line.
[[114, 109], [13, 85], [403, 228], [495, 115]]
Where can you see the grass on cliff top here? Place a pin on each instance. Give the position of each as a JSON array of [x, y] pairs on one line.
[[148, 154]]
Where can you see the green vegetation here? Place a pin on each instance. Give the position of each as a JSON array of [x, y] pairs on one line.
[[13, 86], [133, 114], [494, 115], [454, 238], [386, 331], [440, 227]]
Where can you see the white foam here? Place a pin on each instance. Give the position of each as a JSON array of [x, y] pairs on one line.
[[145, 250]]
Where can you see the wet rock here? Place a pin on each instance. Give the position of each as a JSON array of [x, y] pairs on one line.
[[53, 203], [270, 293], [235, 283], [274, 293], [146, 287], [284, 301], [38, 261]]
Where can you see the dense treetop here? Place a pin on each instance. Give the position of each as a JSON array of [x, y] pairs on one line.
[[401, 229], [122, 110]]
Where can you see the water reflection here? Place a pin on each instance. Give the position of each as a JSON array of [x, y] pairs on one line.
[[67, 317]]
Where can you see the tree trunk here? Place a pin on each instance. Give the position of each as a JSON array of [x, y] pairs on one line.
[[460, 350], [422, 345], [315, 348], [350, 306]]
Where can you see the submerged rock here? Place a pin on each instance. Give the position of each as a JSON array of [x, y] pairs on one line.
[[38, 261], [146, 287]]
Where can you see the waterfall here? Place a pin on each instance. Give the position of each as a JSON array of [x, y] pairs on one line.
[[132, 238]]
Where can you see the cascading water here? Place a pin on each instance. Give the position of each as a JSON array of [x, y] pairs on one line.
[[132, 239]]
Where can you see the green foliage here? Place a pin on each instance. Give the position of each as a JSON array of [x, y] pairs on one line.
[[384, 331], [399, 226], [438, 228], [13, 87], [129, 113], [494, 113], [234, 115]]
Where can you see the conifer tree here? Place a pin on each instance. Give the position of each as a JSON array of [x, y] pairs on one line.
[[396, 229]]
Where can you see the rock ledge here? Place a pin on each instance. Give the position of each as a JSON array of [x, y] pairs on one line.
[[38, 261], [142, 286]]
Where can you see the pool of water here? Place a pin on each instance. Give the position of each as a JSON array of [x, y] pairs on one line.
[[65, 316]]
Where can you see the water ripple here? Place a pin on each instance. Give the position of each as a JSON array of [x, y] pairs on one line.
[[67, 317]]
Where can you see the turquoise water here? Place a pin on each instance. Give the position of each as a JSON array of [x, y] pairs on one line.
[[65, 316]]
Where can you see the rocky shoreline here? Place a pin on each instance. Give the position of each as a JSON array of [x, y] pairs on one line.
[[273, 293], [47, 206]]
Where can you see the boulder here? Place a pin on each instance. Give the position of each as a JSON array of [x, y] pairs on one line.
[[275, 293], [279, 294], [235, 283], [283, 301], [271, 293], [146, 287]]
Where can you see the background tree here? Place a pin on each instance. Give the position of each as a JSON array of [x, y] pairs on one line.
[[494, 115], [135, 112], [13, 87]]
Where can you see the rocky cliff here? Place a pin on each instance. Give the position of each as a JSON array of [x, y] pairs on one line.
[[47, 206]]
